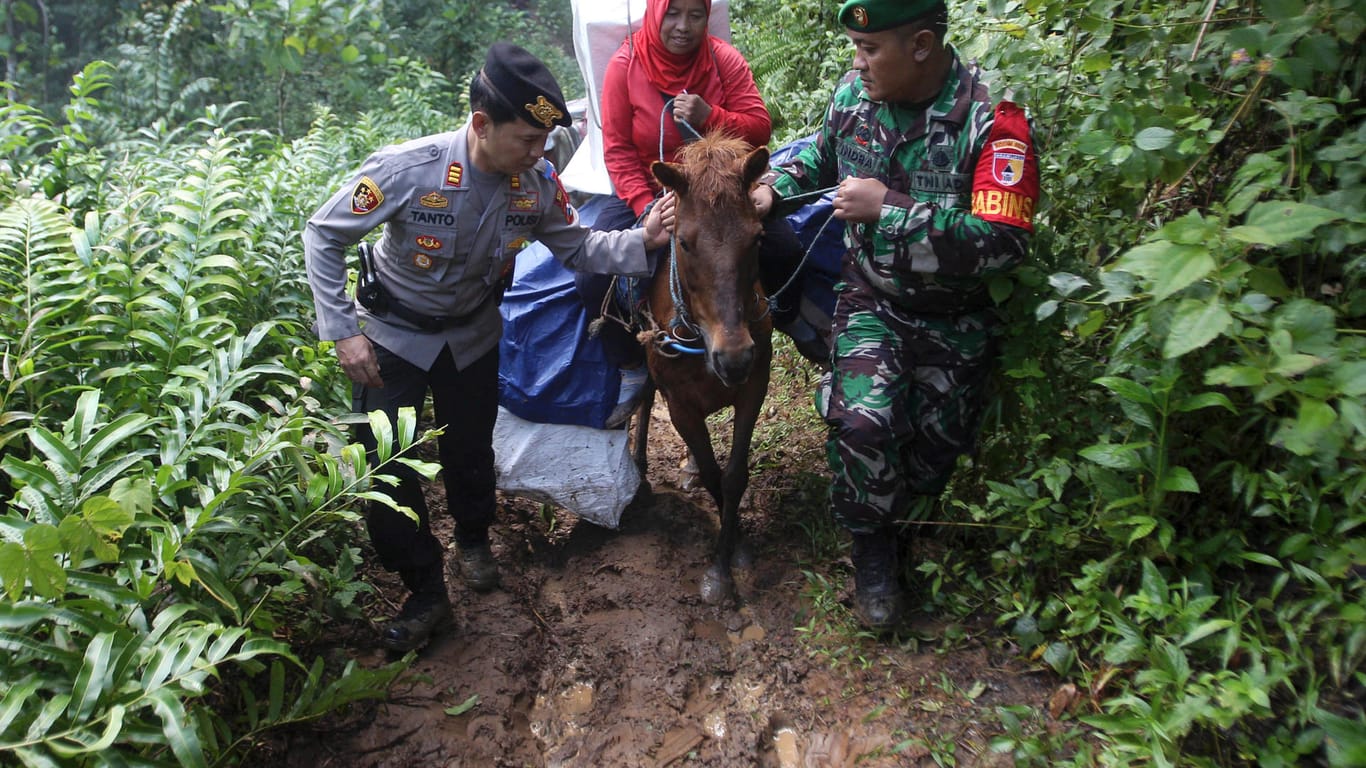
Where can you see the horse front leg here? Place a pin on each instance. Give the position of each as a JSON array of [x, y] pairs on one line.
[[718, 585], [730, 548]]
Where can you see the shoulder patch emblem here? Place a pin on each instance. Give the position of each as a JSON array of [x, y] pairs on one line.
[[453, 173], [434, 200], [1008, 160], [366, 197], [422, 261]]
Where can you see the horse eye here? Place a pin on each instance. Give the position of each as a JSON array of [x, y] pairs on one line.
[[687, 246]]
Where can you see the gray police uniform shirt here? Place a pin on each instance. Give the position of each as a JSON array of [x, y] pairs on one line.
[[443, 251]]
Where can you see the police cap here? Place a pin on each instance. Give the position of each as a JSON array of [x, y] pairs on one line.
[[526, 85], [877, 15]]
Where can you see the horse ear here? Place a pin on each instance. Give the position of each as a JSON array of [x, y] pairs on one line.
[[756, 164], [671, 176]]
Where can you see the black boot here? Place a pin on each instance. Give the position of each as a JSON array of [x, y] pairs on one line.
[[877, 592], [426, 610], [477, 566]]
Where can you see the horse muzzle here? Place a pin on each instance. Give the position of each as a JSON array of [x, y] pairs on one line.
[[731, 364]]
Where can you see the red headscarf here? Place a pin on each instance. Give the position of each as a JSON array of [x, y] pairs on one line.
[[669, 72]]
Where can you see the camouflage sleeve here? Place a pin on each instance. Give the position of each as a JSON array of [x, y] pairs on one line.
[[990, 237], [813, 167]]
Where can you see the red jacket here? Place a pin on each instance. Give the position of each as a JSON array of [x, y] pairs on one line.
[[631, 109]]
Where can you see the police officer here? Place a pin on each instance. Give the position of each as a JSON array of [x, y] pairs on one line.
[[936, 187], [455, 209]]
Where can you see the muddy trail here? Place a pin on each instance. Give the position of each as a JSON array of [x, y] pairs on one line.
[[597, 650]]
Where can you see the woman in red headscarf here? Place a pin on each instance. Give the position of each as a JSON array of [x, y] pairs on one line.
[[672, 56]]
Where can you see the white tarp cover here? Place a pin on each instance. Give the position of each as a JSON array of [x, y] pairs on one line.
[[586, 471], [600, 27]]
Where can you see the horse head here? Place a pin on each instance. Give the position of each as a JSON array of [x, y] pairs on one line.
[[714, 248]]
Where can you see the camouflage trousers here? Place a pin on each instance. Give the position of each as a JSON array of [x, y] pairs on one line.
[[905, 401]]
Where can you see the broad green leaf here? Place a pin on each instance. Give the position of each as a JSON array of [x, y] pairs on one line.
[[1153, 139], [1280, 221], [178, 730], [1179, 480], [1205, 400], [1194, 325], [1115, 456], [384, 435], [1167, 266], [13, 703], [93, 676], [1126, 388], [1143, 525]]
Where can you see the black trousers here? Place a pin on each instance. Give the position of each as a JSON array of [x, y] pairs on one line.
[[780, 254], [466, 407]]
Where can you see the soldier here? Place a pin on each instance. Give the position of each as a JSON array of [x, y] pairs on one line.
[[455, 208], [936, 187]]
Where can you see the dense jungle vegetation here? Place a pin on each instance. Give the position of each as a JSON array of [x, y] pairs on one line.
[[1167, 507]]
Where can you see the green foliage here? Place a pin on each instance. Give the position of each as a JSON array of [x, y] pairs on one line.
[[177, 515], [1170, 487]]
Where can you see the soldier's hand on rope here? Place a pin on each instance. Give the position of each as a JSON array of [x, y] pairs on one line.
[[860, 200], [763, 196]]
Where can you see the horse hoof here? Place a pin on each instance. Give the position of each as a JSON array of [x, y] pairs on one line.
[[716, 587]]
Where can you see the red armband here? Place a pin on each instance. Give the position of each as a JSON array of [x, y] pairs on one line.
[[1005, 187]]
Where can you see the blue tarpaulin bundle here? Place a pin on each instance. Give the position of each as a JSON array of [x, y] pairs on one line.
[[552, 372]]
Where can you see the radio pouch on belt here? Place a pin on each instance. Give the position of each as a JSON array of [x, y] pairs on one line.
[[369, 292]]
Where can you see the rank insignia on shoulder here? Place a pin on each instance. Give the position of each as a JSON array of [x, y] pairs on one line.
[[515, 181], [434, 200], [422, 261], [366, 197], [453, 173]]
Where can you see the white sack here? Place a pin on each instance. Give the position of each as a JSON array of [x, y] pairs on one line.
[[586, 471]]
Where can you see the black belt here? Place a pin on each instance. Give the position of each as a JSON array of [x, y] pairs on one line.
[[372, 295]]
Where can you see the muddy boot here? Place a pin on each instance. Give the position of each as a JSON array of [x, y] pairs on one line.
[[877, 593], [477, 567], [426, 611]]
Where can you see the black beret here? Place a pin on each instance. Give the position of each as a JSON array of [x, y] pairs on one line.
[[526, 85]]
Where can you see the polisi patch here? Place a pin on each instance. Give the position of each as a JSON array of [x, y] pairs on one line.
[[366, 197]]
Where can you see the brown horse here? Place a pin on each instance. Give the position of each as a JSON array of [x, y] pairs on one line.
[[711, 343]]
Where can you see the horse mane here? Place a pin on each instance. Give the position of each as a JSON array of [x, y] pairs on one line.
[[711, 164]]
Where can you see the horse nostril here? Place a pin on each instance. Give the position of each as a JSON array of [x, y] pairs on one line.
[[733, 366]]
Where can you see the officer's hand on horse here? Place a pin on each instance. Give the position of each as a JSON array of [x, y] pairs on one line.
[[659, 222], [860, 200], [357, 357]]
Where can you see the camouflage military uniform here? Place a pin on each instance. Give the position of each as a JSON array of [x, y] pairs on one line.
[[914, 322]]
